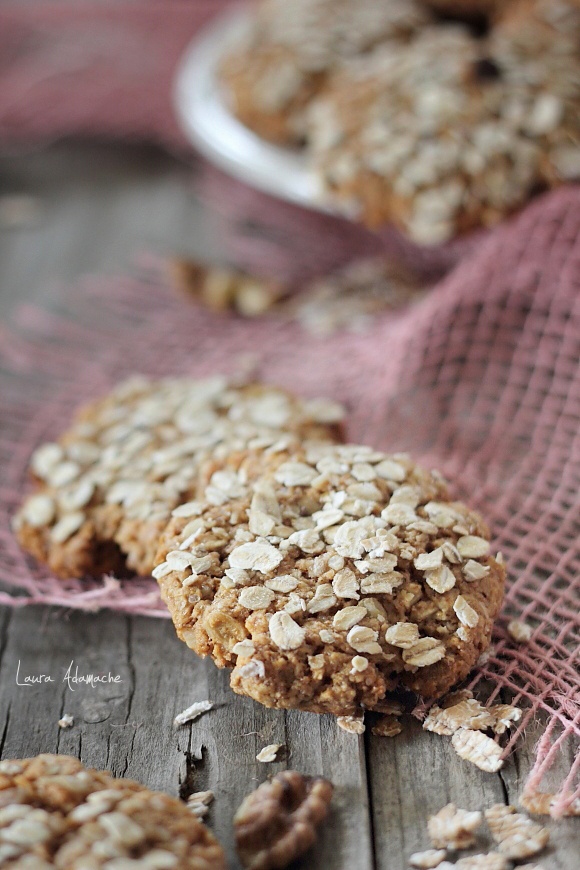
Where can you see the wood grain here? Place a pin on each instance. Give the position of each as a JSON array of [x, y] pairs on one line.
[[99, 206]]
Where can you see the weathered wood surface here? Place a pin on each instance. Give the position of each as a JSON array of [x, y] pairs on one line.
[[99, 205]]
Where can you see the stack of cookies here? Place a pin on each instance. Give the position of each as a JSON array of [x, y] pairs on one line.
[[438, 116], [323, 574]]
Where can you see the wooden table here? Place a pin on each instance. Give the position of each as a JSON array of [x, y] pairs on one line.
[[98, 206]]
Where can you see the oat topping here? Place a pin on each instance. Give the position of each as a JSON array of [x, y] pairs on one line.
[[453, 828], [130, 460], [339, 564], [517, 836], [58, 813]]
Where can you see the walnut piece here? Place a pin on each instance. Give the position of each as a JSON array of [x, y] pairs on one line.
[[428, 859], [517, 837], [539, 803], [387, 726], [277, 822]]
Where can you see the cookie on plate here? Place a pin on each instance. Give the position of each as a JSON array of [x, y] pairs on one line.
[[335, 575], [107, 487], [450, 132], [57, 813], [292, 48]]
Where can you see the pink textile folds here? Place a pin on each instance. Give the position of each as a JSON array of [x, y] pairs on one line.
[[481, 379]]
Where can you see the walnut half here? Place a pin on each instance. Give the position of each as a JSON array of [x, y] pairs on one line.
[[277, 822]]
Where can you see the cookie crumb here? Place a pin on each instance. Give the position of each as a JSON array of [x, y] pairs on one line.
[[269, 753], [193, 712], [387, 726], [67, 721]]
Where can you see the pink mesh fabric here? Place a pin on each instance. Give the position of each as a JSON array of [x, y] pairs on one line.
[[479, 379]]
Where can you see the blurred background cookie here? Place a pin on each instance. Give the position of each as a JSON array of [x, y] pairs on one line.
[[292, 49]]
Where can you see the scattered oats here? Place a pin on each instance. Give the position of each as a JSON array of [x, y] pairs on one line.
[[359, 664], [489, 861], [67, 721], [326, 518], [465, 612], [474, 570], [505, 715], [256, 597], [269, 753], [479, 749], [67, 526], [402, 634], [244, 648], [324, 598], [326, 636], [256, 556], [199, 802], [363, 640], [345, 584], [517, 836], [425, 652], [519, 631], [472, 547], [193, 712], [352, 724], [453, 828], [286, 633], [387, 726], [467, 713], [427, 860], [441, 579], [284, 583]]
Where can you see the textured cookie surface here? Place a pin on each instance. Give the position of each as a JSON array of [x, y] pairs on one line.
[[450, 131], [56, 813], [295, 45], [107, 488], [333, 577]]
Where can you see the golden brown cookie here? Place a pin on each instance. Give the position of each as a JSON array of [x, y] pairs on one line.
[[332, 577], [294, 45], [449, 131], [54, 812], [107, 487]]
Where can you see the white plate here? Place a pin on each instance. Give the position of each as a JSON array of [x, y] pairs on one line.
[[213, 130]]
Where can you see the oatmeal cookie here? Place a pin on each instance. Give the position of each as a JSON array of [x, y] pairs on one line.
[[451, 131], [293, 47], [330, 577], [107, 487], [56, 813]]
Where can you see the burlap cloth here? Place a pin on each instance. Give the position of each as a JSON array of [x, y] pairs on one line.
[[480, 379]]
